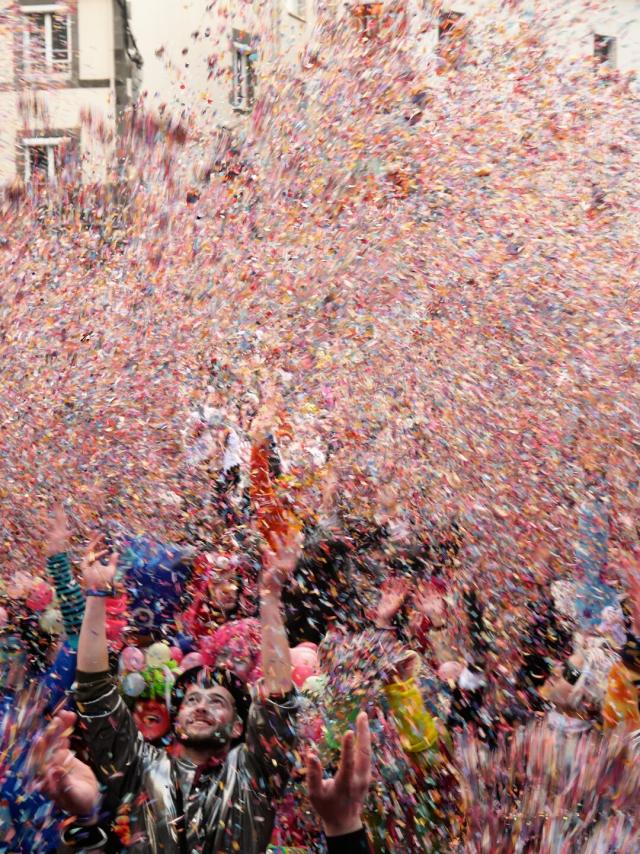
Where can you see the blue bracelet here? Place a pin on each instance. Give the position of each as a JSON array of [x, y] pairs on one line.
[[102, 594]]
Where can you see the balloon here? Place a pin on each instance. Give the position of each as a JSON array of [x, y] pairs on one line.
[[300, 674], [315, 685], [132, 658], [158, 654], [133, 684], [176, 654], [40, 597], [450, 671], [192, 659], [308, 645], [20, 585], [51, 621], [302, 656], [4, 616]]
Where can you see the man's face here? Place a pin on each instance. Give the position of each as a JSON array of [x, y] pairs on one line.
[[207, 717], [152, 719], [223, 588]]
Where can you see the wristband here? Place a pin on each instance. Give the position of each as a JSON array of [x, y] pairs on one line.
[[103, 594], [84, 838]]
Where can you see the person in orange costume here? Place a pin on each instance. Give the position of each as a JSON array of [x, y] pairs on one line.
[[622, 700]]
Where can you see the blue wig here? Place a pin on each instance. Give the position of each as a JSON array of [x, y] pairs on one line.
[[155, 576]]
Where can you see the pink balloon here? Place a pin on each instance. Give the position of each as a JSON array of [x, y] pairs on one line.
[[41, 597], [307, 645], [132, 658], [192, 659], [304, 657], [450, 671], [20, 585], [300, 674], [177, 654], [4, 616]]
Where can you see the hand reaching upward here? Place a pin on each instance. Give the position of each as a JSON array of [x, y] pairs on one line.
[[57, 540], [95, 575], [339, 801], [59, 774]]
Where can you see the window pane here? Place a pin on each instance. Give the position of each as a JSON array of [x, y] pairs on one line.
[[60, 41], [448, 24], [36, 43], [39, 159], [603, 48]]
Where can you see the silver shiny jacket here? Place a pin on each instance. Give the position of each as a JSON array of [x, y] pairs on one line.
[[228, 807]]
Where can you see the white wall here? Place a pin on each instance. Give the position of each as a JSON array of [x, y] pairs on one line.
[[95, 26], [164, 29], [8, 132], [6, 46], [571, 24], [61, 108]]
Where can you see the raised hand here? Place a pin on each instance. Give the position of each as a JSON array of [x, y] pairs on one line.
[[279, 564], [57, 540], [431, 605], [95, 575], [394, 592], [59, 774], [339, 801]]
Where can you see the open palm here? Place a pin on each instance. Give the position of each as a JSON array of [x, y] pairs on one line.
[[339, 800], [59, 774], [95, 575]]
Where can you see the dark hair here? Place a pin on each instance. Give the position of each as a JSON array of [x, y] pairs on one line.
[[630, 653], [322, 592], [35, 641], [209, 677], [366, 536]]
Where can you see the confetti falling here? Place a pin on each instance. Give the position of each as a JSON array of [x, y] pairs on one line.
[[429, 259]]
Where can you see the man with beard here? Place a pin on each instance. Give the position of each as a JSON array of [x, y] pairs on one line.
[[210, 796]]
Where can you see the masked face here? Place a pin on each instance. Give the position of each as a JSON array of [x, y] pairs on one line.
[[207, 718], [152, 719]]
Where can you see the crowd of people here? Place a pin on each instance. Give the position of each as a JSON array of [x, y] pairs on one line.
[[186, 697], [346, 442]]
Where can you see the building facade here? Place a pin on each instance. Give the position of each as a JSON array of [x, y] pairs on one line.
[[63, 61], [66, 75], [202, 59]]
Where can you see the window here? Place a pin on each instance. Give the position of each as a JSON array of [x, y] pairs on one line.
[[369, 16], [298, 8], [47, 40], [448, 22], [244, 75], [604, 50], [42, 159]]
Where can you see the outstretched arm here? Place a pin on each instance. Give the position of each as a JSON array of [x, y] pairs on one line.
[[72, 786], [115, 746], [279, 565], [67, 588], [93, 655], [339, 801]]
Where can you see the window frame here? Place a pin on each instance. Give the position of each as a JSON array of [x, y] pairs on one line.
[[369, 16], [297, 9], [48, 142], [610, 44], [447, 21], [243, 96], [49, 11]]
